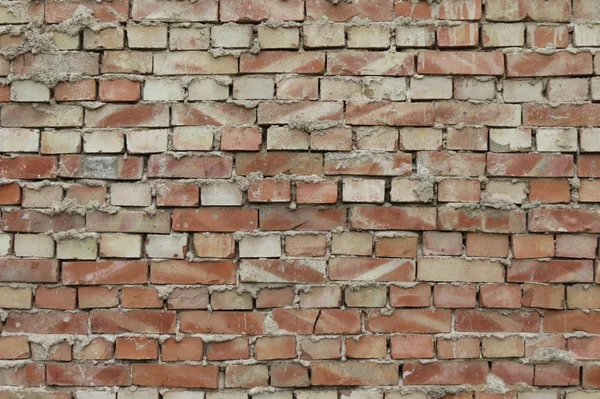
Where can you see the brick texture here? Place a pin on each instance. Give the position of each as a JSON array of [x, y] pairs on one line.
[[299, 199]]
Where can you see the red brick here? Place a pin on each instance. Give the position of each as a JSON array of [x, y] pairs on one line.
[[211, 167], [215, 220], [269, 348], [128, 222], [590, 376], [563, 115], [411, 346], [353, 374], [500, 296], [119, 90], [141, 298], [296, 321], [87, 375], [128, 115], [246, 376], [116, 11], [464, 35], [530, 165], [173, 194], [301, 219], [367, 269], [185, 272], [29, 270], [564, 220], [568, 321], [513, 372], [535, 10], [211, 114], [10, 194], [237, 348], [269, 190], [552, 271], [16, 347], [366, 347], [109, 167], [370, 63], [374, 10], [408, 9], [489, 114], [460, 63], [81, 90], [222, 322], [445, 373], [460, 10], [450, 296], [274, 163], [317, 193], [392, 218], [383, 164], [62, 298], [556, 375], [175, 375], [28, 167], [417, 296], [136, 321], [241, 139], [550, 191], [289, 375], [461, 348], [410, 320], [337, 321], [28, 375], [552, 36], [136, 348], [104, 272], [389, 114], [308, 62], [483, 220], [260, 10], [203, 10], [543, 296], [557, 64], [493, 321]]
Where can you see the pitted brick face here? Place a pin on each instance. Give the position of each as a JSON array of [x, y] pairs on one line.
[[299, 199]]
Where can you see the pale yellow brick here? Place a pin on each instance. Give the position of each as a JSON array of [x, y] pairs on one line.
[[74, 248], [278, 38], [120, 245], [34, 245]]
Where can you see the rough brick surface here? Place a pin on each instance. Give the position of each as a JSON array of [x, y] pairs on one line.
[[299, 199]]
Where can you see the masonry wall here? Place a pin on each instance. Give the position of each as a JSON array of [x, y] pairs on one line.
[[299, 199]]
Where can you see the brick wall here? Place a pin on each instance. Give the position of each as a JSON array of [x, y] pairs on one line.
[[299, 199]]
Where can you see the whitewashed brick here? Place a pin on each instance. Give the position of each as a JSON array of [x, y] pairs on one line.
[[172, 246], [116, 245], [231, 36], [130, 194], [19, 140], [207, 89], [74, 248], [193, 138], [268, 246], [34, 245], [556, 140], [224, 194], [253, 88], [147, 141], [29, 91], [363, 190], [163, 90]]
